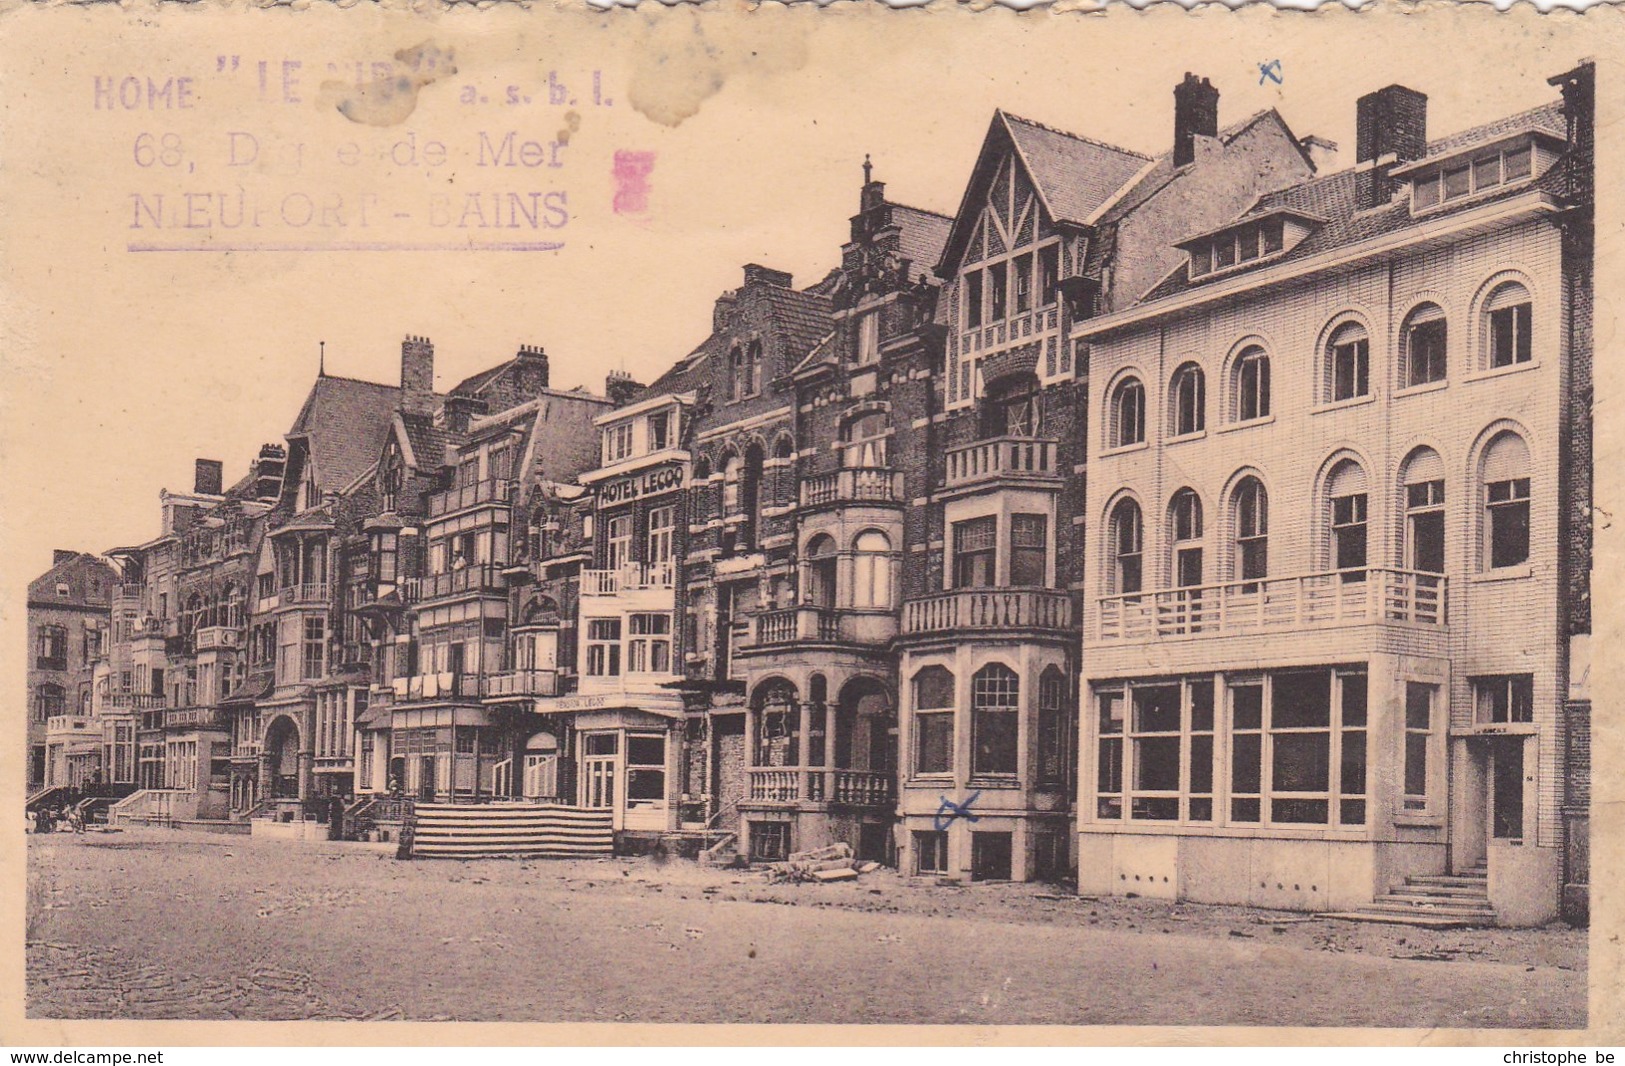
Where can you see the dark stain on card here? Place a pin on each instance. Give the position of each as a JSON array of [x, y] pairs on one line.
[[391, 96]]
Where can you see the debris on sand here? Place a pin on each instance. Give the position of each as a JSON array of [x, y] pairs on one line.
[[821, 865]]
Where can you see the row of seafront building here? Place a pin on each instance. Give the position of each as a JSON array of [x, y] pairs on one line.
[[1319, 622]]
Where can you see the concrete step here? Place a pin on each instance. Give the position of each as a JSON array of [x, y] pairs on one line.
[[1449, 881], [1423, 921], [1434, 903], [1445, 891], [1484, 916]]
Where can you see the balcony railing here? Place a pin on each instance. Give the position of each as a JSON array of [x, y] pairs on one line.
[[1001, 457], [133, 701], [528, 683], [989, 609], [485, 577], [816, 784], [489, 491], [1275, 605], [435, 686], [627, 579], [775, 786], [797, 625], [308, 592], [853, 485], [69, 723], [863, 788], [193, 718], [218, 637]]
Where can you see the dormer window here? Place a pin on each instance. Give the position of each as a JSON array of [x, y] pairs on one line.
[[1467, 175], [1237, 246], [618, 442], [659, 431]]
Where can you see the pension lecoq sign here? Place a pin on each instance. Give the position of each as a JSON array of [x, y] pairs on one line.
[[635, 486]]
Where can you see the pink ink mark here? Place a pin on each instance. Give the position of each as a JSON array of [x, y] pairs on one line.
[[632, 182]]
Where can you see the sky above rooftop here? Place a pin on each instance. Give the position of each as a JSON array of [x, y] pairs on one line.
[[124, 367]]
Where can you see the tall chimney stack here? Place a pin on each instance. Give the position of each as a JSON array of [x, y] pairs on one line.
[[417, 376], [1196, 114], [1390, 126], [208, 478]]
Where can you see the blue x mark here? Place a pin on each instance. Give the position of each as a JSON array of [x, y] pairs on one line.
[[954, 810], [1270, 70]]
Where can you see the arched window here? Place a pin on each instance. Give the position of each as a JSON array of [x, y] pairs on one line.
[[1504, 474], [732, 467], [778, 724], [871, 570], [995, 704], [1252, 525], [1187, 397], [783, 448], [1010, 407], [934, 721], [1346, 500], [1127, 413], [736, 373], [820, 587], [1250, 385], [866, 441], [753, 368], [1128, 548], [1185, 520], [1348, 363], [1423, 479], [750, 496], [1422, 346], [1508, 322]]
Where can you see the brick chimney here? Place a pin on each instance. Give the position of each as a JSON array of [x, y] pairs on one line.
[[1391, 121], [533, 365], [620, 387], [208, 478], [417, 376], [756, 274], [62, 555], [723, 312], [268, 471], [458, 411], [1390, 126], [1196, 114]]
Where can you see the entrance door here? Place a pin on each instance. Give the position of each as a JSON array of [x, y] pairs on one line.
[[1506, 789], [599, 755], [426, 779]]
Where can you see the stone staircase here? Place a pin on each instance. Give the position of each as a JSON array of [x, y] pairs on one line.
[[1435, 901]]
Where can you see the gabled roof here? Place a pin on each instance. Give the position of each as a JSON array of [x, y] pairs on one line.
[[428, 441], [802, 319], [345, 422], [1072, 175]]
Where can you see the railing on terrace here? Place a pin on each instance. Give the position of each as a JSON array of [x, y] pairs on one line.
[[988, 609], [393, 809], [214, 637], [1275, 605], [69, 723], [528, 683], [134, 701], [484, 577], [435, 686], [798, 624], [852, 485], [627, 579], [1001, 457], [488, 491], [816, 784], [307, 592], [193, 718]]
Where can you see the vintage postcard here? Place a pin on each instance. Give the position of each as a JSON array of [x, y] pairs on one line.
[[751, 515]]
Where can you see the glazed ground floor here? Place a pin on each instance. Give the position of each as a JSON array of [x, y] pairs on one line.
[[1323, 786]]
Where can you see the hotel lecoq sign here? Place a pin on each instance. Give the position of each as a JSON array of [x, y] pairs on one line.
[[636, 486]]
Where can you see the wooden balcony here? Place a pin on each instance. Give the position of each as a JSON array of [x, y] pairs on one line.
[[527, 683], [466, 496], [484, 578], [852, 485], [1274, 605], [1001, 459], [989, 610], [633, 578], [438, 686]]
